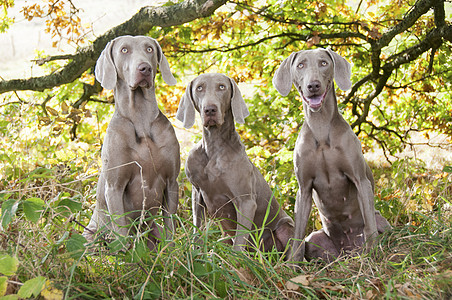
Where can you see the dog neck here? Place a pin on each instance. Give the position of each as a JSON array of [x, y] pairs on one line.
[[319, 122], [139, 106], [217, 139]]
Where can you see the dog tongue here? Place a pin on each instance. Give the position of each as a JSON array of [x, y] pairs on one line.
[[315, 101]]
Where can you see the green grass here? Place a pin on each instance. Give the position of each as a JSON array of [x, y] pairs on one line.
[[42, 213]]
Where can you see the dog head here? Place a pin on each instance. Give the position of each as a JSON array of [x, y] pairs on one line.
[[312, 72], [212, 95], [133, 59]]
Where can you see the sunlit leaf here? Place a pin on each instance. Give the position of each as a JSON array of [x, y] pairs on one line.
[[51, 293], [3, 285], [8, 264], [32, 287]]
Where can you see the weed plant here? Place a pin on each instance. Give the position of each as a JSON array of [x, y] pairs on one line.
[[43, 214]]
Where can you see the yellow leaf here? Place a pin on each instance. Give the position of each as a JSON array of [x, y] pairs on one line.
[[65, 155], [52, 111], [64, 108], [3, 285], [45, 120], [51, 293], [318, 224], [294, 283], [88, 113], [75, 111]]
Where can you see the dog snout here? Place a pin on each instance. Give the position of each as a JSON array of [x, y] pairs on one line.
[[314, 86], [211, 115], [145, 69], [210, 110]]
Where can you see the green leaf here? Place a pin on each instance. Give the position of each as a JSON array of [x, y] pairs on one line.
[[3, 285], [75, 245], [285, 155], [8, 265], [9, 209], [149, 291], [32, 287], [221, 288], [33, 208], [140, 252], [154, 290], [447, 169], [67, 206], [199, 269], [62, 239], [10, 297]]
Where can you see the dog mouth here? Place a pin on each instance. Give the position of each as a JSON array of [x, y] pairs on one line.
[[144, 84], [210, 122], [143, 81], [315, 101]]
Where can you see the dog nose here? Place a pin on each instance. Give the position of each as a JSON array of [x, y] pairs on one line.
[[314, 86], [210, 110], [145, 69]]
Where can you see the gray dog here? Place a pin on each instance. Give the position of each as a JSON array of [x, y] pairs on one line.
[[328, 160], [225, 182], [140, 154]]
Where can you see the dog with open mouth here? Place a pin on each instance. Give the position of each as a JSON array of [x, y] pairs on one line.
[[328, 161]]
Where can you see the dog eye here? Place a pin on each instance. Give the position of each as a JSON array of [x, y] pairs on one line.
[[199, 88], [222, 86], [324, 63], [124, 50], [149, 49], [300, 66]]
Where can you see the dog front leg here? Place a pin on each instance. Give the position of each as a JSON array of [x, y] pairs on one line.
[[114, 198], [199, 212], [246, 209], [303, 204], [198, 207], [366, 206], [170, 204]]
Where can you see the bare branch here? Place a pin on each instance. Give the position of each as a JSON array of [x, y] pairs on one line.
[[44, 60], [293, 36]]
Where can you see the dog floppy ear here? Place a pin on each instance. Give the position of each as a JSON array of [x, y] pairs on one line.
[[186, 110], [164, 66], [342, 70], [238, 105], [282, 80], [105, 70]]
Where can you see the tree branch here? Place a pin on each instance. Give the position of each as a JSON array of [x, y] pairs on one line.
[[432, 40], [292, 35], [141, 23], [419, 8]]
